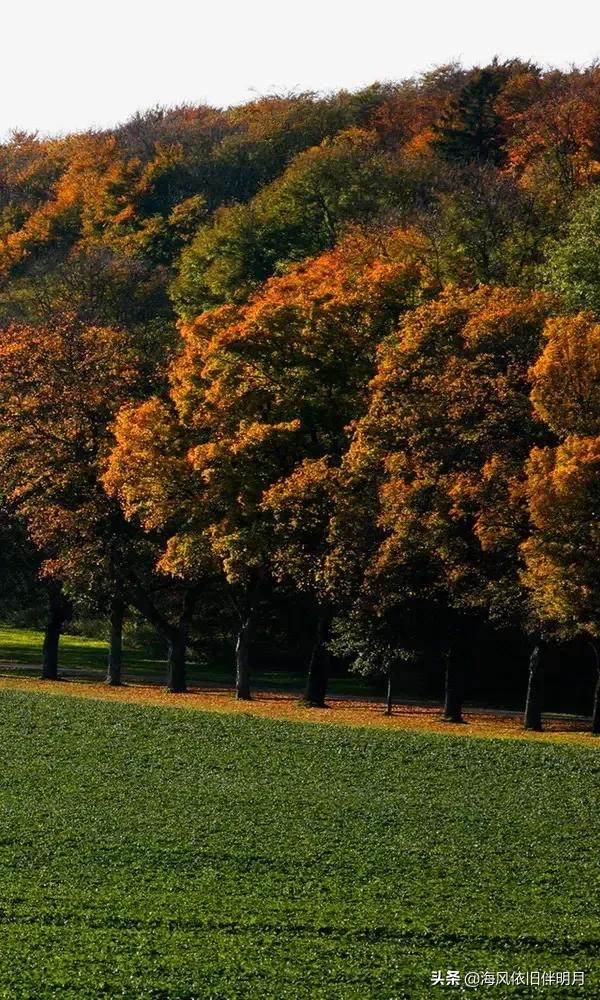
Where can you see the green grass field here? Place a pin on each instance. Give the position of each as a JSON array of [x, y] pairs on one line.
[[156, 854], [24, 645]]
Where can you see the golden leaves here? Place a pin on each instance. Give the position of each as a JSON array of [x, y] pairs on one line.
[[566, 376]]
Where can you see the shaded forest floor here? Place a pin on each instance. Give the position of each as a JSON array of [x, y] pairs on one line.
[[340, 711], [85, 658]]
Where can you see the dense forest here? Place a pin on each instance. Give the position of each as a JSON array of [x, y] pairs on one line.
[[316, 377]]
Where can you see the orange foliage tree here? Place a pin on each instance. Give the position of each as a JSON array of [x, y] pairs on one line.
[[431, 511], [60, 387], [256, 391], [563, 552]]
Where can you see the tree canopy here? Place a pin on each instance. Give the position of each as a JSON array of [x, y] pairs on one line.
[[333, 352]]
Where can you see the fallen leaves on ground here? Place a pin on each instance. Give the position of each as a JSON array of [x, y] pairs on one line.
[[340, 711]]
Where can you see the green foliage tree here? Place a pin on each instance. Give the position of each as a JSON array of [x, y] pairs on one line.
[[324, 191], [572, 265]]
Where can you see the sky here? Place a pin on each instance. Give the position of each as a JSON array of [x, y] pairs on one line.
[[67, 65]]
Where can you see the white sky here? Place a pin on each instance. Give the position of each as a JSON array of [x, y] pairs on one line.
[[72, 64]]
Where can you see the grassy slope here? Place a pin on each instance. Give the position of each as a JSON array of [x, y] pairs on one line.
[[155, 854]]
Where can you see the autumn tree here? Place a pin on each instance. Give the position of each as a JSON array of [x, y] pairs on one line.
[[462, 176], [301, 507], [552, 127], [59, 388], [256, 391], [562, 554], [441, 448]]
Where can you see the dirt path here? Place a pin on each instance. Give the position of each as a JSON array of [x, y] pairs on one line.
[[346, 710]]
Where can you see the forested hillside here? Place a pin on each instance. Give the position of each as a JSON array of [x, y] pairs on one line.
[[314, 377]]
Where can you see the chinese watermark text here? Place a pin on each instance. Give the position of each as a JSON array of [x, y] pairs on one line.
[[536, 977]]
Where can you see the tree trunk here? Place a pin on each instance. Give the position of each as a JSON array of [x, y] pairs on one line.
[[535, 689], [176, 635], [596, 708], [318, 668], [388, 702], [176, 678], [50, 648], [242, 660], [59, 611], [453, 688], [115, 652]]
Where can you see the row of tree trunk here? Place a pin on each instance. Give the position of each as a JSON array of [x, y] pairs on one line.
[[60, 612], [533, 715]]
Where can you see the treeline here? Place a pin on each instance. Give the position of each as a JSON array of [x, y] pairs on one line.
[[329, 359]]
